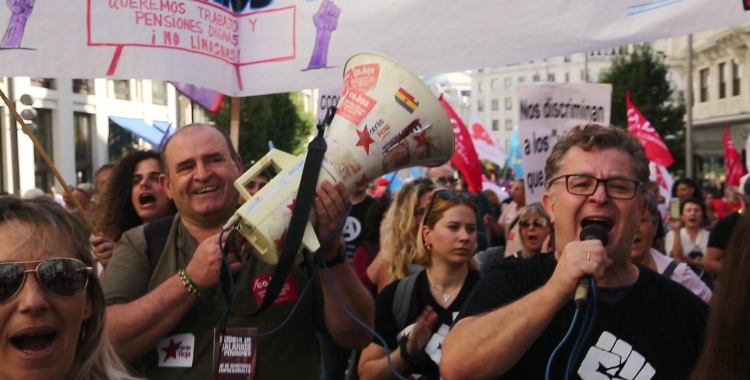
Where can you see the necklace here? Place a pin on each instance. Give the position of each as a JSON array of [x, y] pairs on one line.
[[446, 293]]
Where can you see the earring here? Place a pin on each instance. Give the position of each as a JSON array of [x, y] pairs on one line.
[[83, 332], [428, 247]]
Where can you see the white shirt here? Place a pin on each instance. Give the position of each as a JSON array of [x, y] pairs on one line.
[[682, 275], [700, 244]]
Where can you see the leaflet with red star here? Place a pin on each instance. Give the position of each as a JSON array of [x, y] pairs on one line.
[[171, 350]]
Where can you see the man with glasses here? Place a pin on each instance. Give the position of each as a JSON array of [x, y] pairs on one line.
[[162, 313], [646, 326], [443, 176]]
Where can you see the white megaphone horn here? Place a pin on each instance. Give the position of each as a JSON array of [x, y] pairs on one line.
[[386, 120]]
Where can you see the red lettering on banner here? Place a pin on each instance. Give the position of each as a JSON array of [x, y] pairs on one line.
[[288, 293]]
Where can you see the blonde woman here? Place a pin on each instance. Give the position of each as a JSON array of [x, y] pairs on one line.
[[534, 228], [414, 336], [51, 301], [398, 241]]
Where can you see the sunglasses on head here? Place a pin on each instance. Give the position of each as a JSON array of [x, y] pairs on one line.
[[538, 222], [63, 277], [447, 195]]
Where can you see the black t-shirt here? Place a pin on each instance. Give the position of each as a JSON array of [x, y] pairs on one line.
[[722, 231], [387, 327], [355, 225], [653, 332]]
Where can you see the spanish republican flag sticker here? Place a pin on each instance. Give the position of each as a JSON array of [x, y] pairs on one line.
[[406, 100]]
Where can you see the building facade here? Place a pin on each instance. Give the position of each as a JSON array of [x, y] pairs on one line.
[[721, 92], [455, 89], [495, 98], [82, 124]]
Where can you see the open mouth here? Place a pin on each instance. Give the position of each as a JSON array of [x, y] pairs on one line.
[[146, 199], [533, 239], [34, 342], [207, 189], [607, 223], [637, 241]]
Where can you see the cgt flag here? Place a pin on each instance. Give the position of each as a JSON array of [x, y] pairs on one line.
[[734, 167], [464, 156], [487, 146], [656, 151]]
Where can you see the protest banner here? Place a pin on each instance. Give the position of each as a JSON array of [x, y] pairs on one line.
[[252, 47], [547, 111]]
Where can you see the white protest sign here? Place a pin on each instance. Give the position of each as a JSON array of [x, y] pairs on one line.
[[251, 47], [547, 111]]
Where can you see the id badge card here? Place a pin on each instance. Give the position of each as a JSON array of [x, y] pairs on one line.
[[235, 354]]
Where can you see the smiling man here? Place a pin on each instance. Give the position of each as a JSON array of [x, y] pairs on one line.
[[522, 309], [164, 301]]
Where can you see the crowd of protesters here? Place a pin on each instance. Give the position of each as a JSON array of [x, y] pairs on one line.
[[427, 281]]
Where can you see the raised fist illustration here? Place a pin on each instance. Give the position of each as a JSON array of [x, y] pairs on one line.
[[325, 20], [21, 10]]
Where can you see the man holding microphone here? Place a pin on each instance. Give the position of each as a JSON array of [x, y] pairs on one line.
[[647, 327]]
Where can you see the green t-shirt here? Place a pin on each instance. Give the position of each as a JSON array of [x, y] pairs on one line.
[[291, 353]]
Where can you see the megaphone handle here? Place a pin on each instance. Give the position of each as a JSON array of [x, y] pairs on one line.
[[300, 215]]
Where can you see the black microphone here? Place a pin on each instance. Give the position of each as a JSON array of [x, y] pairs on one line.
[[593, 230]]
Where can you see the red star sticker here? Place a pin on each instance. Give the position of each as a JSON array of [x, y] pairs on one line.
[[171, 351], [364, 139], [361, 181], [423, 140], [292, 205]]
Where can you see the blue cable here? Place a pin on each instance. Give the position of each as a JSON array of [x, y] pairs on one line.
[[562, 343], [586, 327], [225, 316]]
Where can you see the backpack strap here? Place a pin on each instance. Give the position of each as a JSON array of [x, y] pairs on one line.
[[157, 233], [670, 269], [402, 299]]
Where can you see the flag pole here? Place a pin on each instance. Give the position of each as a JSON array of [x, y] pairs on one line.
[[689, 111], [234, 125]]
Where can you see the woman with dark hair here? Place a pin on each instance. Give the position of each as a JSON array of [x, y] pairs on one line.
[[366, 262], [686, 188], [727, 345], [688, 244], [134, 197], [51, 301]]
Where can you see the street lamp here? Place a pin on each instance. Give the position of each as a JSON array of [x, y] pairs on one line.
[[27, 114]]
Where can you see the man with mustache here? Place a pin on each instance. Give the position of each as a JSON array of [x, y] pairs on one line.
[[162, 317], [521, 310]]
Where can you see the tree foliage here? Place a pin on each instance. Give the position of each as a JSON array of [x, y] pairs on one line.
[[279, 118], [644, 75]]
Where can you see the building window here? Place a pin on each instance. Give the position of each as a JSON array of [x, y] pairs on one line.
[[583, 76], [495, 105], [83, 86], [507, 145], [568, 58], [159, 92], [480, 105], [479, 86], [495, 84], [495, 125], [567, 77], [82, 123], [508, 82], [723, 74], [535, 78], [705, 79], [44, 83], [521, 79], [122, 89], [550, 77], [508, 124], [44, 178], [736, 78], [508, 103], [480, 71], [466, 93]]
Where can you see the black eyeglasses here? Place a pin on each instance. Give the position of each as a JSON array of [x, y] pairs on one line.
[[616, 188], [61, 276], [446, 180], [538, 222], [446, 195]]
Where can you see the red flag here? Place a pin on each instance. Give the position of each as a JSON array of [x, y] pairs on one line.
[[656, 151], [464, 156], [734, 167]]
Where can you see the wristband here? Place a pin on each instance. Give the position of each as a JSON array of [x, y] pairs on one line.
[[189, 284], [340, 258]]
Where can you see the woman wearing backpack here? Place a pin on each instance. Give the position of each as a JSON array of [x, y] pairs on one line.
[[414, 314]]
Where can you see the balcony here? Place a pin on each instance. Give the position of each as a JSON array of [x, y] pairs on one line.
[[720, 108]]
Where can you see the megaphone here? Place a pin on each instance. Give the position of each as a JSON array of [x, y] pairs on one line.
[[386, 120]]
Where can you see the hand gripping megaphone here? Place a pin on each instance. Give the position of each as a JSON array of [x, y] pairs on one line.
[[386, 120]]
